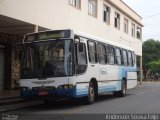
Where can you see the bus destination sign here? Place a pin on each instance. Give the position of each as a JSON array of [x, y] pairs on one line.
[[48, 35], [54, 35]]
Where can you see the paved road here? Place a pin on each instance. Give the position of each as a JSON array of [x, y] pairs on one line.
[[142, 99]]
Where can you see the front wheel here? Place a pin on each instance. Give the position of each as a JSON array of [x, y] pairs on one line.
[[91, 94]]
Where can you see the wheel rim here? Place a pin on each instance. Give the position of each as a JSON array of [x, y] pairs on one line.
[[91, 94]]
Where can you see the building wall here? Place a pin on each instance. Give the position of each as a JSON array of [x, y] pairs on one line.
[[47, 13], [11, 59], [80, 20], [58, 14], [119, 4]]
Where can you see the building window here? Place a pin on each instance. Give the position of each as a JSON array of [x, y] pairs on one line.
[[106, 14], [138, 33], [117, 20], [133, 30], [125, 25], [75, 3], [92, 7]]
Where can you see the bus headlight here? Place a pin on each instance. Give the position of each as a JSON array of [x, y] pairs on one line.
[[25, 88]]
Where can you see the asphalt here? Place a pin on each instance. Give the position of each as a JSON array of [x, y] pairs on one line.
[[143, 99]]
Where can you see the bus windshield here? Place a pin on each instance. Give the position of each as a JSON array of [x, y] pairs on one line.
[[47, 59]]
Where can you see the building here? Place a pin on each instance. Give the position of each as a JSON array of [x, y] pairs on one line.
[[109, 19]]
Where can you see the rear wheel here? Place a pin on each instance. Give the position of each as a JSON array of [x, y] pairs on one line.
[[124, 89], [122, 92]]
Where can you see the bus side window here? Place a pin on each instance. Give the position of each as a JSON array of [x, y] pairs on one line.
[[125, 58], [133, 58], [81, 58], [111, 54], [130, 60], [118, 56], [101, 49], [92, 52]]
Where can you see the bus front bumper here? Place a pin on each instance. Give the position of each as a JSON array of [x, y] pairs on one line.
[[27, 93]]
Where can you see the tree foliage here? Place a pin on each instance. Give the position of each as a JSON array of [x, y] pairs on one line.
[[154, 66], [151, 53]]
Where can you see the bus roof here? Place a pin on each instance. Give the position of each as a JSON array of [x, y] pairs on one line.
[[89, 36]]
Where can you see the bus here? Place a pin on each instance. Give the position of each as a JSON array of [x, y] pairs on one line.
[[70, 64]]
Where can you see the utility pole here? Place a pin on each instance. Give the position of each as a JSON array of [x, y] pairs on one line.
[[141, 70]]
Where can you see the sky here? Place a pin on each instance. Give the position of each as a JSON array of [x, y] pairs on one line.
[[149, 10]]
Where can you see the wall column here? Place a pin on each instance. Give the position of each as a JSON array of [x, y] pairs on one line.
[[35, 28]]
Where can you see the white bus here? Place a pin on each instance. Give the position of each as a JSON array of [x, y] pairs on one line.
[[70, 64]]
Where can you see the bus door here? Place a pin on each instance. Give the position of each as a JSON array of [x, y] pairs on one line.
[[93, 67], [103, 68]]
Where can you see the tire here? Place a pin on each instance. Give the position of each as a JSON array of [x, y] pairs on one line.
[[122, 92], [91, 94]]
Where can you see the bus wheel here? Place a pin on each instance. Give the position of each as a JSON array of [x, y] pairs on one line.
[[122, 92], [91, 94]]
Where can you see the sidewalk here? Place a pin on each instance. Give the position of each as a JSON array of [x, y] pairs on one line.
[[9, 94], [11, 100]]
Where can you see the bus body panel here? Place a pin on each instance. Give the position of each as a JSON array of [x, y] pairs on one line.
[[54, 87], [83, 80], [81, 89], [132, 79], [108, 78], [129, 74]]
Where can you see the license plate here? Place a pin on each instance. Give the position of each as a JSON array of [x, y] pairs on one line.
[[43, 93]]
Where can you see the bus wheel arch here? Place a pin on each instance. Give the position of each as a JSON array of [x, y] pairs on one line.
[[124, 78], [122, 92]]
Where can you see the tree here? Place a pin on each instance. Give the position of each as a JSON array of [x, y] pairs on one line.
[[151, 52], [154, 66]]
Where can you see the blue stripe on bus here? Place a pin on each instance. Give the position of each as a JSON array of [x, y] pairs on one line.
[[59, 92], [81, 92], [105, 89], [101, 89]]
